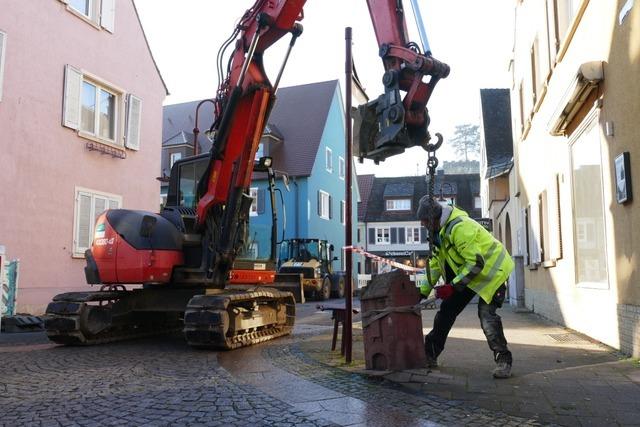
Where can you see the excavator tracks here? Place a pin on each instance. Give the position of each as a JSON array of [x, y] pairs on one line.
[[231, 319], [222, 319], [88, 318]]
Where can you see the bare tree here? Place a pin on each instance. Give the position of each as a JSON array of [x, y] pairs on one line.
[[466, 140]]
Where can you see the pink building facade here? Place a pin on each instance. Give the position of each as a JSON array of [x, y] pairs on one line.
[[80, 131]]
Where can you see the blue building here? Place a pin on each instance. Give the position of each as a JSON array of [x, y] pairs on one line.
[[305, 136]]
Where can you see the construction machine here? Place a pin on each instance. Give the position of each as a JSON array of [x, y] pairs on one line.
[[313, 259], [172, 270]]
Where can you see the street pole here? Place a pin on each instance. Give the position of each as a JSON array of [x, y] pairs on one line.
[[348, 238]]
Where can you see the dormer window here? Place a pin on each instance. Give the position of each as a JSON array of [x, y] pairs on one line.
[[398, 204]]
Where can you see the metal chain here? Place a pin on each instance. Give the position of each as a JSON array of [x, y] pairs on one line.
[[432, 165]]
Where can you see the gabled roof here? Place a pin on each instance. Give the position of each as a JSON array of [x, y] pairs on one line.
[[496, 127], [298, 119], [365, 182], [398, 189], [180, 118], [272, 130], [180, 138], [376, 211], [300, 114]]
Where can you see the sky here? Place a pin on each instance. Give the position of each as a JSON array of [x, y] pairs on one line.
[[474, 37]]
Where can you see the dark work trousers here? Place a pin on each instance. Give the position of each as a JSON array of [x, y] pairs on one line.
[[489, 319]]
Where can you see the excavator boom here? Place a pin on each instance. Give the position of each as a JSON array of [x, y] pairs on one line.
[[185, 255]]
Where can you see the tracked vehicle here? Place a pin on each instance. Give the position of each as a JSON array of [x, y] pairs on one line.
[[176, 269]]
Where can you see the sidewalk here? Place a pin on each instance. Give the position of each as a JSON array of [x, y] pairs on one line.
[[558, 376]]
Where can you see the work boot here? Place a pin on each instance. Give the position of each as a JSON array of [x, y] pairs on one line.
[[432, 362], [502, 370]]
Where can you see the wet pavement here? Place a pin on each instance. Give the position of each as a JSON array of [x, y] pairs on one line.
[[299, 381]]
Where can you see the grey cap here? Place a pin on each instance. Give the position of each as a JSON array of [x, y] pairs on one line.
[[428, 209]]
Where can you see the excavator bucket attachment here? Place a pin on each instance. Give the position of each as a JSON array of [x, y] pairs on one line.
[[380, 130]]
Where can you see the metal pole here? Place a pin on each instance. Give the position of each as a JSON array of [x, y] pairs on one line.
[[421, 30], [348, 239]]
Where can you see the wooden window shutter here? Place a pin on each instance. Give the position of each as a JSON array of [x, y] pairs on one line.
[[3, 48], [534, 232], [553, 212], [372, 236], [423, 235], [319, 203], [523, 235], [401, 235], [71, 100], [108, 15], [83, 223], [134, 119], [394, 235], [260, 200]]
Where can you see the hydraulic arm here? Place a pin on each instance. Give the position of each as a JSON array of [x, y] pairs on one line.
[[185, 256], [384, 127]]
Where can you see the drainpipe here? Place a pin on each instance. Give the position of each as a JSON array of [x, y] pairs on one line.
[[297, 205]]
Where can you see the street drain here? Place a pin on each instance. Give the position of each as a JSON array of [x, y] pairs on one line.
[[569, 338]]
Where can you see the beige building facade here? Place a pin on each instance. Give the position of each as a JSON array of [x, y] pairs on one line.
[[575, 102]]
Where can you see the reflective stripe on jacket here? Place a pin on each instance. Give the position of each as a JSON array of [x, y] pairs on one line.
[[478, 259]]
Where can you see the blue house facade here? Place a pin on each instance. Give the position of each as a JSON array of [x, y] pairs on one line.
[[305, 136]]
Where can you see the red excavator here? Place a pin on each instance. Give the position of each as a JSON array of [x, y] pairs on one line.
[[186, 256]]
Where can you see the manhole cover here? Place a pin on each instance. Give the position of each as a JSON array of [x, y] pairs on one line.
[[568, 338]]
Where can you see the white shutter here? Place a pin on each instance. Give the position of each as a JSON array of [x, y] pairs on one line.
[[555, 229], [99, 206], [3, 45], [114, 204], [83, 223], [72, 93], [134, 117], [108, 15], [534, 230]]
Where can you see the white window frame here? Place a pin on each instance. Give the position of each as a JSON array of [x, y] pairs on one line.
[[127, 116], [3, 50], [591, 121], [174, 158], [343, 212], [253, 192], [78, 249], [101, 13], [328, 159], [93, 15], [95, 134], [393, 205], [380, 235], [324, 204], [477, 202], [341, 167], [410, 234]]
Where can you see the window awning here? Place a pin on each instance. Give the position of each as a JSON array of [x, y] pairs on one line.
[[589, 75]]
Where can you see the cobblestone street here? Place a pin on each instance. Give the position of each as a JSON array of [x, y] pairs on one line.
[[290, 381]]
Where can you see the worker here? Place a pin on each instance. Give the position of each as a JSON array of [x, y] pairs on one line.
[[472, 262]]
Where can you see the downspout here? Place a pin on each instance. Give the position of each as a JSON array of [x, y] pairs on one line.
[[297, 205]]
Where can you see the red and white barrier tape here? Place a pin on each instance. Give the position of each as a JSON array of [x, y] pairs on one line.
[[384, 260]]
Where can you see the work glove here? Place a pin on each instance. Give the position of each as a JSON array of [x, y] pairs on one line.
[[444, 292]]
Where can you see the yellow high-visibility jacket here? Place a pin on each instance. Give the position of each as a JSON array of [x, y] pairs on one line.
[[478, 259]]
